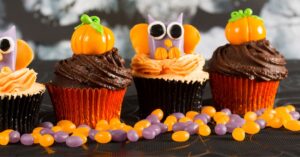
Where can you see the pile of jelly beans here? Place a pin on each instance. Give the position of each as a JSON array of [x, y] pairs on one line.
[[181, 125]]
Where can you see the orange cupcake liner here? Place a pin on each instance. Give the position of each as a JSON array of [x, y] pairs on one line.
[[86, 105], [241, 95]]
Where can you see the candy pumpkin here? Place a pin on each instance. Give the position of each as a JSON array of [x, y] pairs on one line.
[[90, 37], [243, 27]]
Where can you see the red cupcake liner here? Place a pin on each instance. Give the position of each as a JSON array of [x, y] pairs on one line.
[[241, 95], [86, 105]]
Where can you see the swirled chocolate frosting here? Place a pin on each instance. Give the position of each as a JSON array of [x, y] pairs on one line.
[[93, 71], [253, 60]]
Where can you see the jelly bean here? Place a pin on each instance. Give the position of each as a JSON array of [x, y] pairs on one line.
[[126, 128], [159, 113], [171, 118], [142, 123], [148, 133], [180, 136], [74, 141], [27, 139], [82, 130], [179, 126], [222, 119], [238, 134], [60, 136], [204, 130], [226, 111], [67, 126], [14, 137], [192, 128], [56, 129], [250, 116], [103, 137], [292, 125], [209, 110], [132, 136], [102, 125], [46, 131], [4, 138], [46, 140], [178, 115], [118, 135], [220, 129], [48, 125], [275, 123], [153, 119], [185, 119], [218, 115], [191, 114], [114, 121], [251, 127]]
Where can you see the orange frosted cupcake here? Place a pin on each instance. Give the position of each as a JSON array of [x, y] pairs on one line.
[[245, 74], [20, 95], [167, 72], [90, 85]]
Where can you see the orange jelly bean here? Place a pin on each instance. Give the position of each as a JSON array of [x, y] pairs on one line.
[[180, 136], [159, 113], [209, 110]]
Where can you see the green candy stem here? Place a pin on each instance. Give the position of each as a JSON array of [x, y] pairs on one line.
[[93, 21], [236, 15]]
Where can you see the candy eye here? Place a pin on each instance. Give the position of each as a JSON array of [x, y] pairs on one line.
[[7, 45], [157, 30], [175, 30]]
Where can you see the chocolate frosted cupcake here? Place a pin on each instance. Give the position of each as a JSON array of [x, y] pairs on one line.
[[90, 85], [245, 74], [20, 95], [167, 74]]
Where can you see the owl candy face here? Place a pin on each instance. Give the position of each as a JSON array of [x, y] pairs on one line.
[[8, 48], [165, 35]]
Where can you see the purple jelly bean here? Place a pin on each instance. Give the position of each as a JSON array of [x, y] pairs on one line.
[[153, 119], [92, 134], [163, 127], [148, 133], [48, 125], [262, 123], [192, 128], [156, 129], [220, 129], [27, 139], [14, 137], [201, 117], [178, 115], [74, 141], [132, 136], [60, 136], [118, 135], [295, 115]]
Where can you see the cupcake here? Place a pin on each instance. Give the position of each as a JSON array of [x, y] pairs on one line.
[[167, 72], [20, 95], [90, 85], [245, 73]]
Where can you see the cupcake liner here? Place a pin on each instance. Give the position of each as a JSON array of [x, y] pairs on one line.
[[20, 112], [86, 105], [170, 96], [241, 95]]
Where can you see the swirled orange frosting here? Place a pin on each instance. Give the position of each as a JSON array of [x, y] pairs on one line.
[[181, 66], [16, 81]]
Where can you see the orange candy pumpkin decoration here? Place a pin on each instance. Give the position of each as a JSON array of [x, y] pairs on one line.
[[90, 37], [243, 27]]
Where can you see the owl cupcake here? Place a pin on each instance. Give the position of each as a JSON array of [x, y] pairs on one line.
[[90, 85], [167, 73], [20, 95], [245, 74]]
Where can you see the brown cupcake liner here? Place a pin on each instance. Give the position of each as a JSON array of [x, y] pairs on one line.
[[169, 95], [241, 95], [86, 105], [20, 112]]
